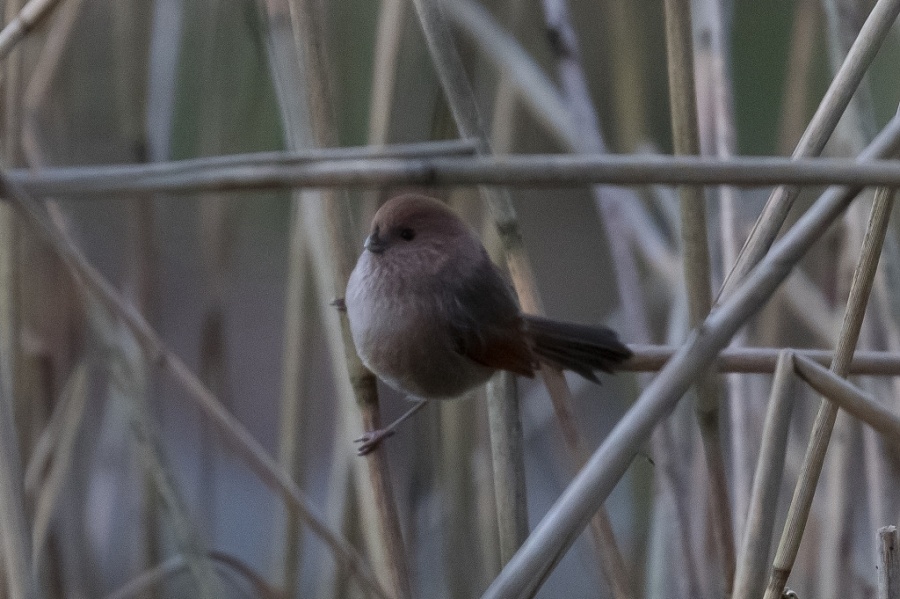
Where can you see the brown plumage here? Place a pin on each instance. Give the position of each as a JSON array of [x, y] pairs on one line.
[[433, 316]]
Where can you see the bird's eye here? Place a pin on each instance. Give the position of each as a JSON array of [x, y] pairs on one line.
[[407, 234]]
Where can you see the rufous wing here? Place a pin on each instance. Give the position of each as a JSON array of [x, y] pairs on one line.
[[504, 352]]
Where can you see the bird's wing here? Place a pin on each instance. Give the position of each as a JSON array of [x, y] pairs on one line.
[[486, 324]]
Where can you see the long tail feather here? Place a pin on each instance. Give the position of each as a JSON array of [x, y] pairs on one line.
[[580, 348]]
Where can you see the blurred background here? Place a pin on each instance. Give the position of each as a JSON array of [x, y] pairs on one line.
[[121, 473]]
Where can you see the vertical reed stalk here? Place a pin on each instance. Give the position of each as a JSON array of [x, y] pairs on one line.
[[391, 18], [18, 576], [888, 563], [293, 376], [824, 423], [462, 105], [798, 74], [309, 29], [750, 578], [466, 114], [697, 268], [302, 77], [504, 419]]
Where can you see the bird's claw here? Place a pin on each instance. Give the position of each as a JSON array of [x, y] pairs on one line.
[[371, 440]]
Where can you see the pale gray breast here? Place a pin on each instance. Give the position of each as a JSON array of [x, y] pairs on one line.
[[405, 339]]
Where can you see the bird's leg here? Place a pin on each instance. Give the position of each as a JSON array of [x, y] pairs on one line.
[[372, 439]]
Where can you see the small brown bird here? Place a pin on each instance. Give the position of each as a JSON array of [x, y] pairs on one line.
[[432, 316]]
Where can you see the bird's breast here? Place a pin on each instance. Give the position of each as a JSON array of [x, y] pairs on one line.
[[403, 335]]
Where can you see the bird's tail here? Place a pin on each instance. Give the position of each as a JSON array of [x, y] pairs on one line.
[[579, 348]]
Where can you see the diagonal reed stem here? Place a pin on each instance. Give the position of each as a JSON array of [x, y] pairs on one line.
[[820, 128], [571, 512]]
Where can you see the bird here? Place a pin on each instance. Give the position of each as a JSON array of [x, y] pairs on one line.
[[433, 317]]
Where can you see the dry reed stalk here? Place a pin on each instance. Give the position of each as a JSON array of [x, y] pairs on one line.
[[506, 108], [761, 360], [685, 134], [672, 483], [852, 133], [232, 431], [716, 120], [837, 97], [797, 76], [293, 379], [166, 23], [537, 93], [458, 92], [54, 451], [146, 581], [880, 470], [128, 382], [848, 397], [819, 437], [750, 578], [213, 232], [309, 28], [21, 22], [391, 18], [888, 563], [301, 70], [532, 170], [508, 464], [42, 77], [507, 444], [629, 64], [19, 577], [555, 533], [287, 80]]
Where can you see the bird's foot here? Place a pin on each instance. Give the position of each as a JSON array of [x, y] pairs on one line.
[[372, 439]]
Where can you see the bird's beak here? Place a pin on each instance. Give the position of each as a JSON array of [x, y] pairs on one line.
[[374, 243]]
